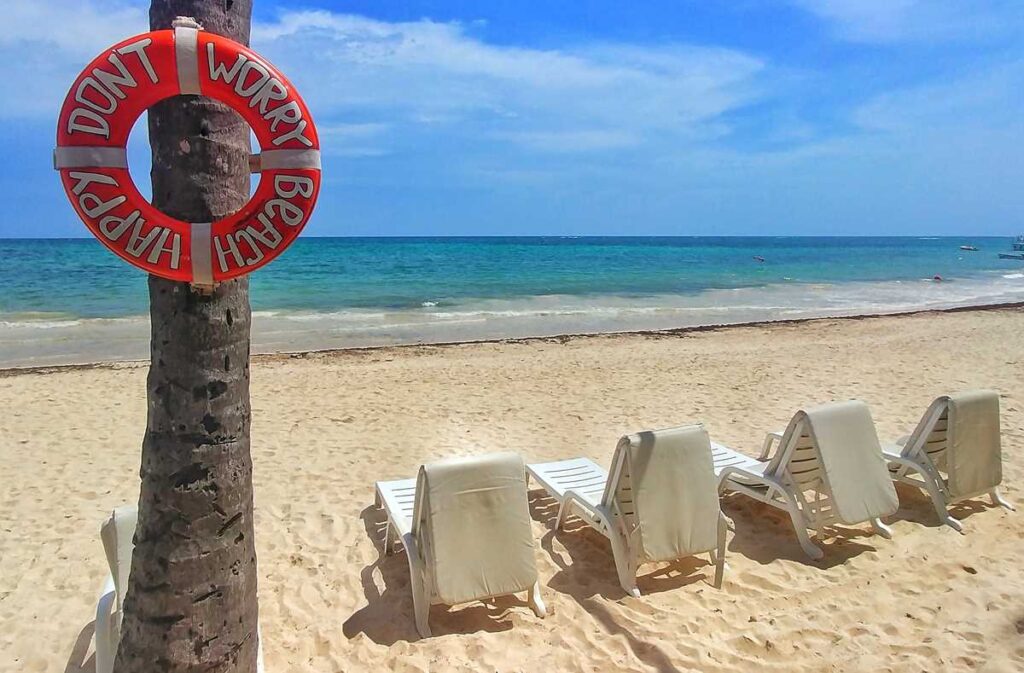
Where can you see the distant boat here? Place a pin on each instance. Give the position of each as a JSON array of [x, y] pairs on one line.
[[759, 258], [969, 248], [1018, 250]]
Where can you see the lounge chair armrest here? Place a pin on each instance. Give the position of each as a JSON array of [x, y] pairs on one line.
[[768, 481], [902, 441], [575, 497], [769, 439], [412, 549], [106, 629]]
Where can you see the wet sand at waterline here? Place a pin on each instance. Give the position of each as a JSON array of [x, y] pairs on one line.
[[327, 425]]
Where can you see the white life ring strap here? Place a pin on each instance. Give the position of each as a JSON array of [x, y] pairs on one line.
[[186, 53], [90, 157], [117, 157], [202, 254], [285, 159]]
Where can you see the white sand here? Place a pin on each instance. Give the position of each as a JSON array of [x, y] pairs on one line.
[[327, 426]]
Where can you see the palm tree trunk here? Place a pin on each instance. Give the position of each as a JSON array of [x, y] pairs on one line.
[[191, 602]]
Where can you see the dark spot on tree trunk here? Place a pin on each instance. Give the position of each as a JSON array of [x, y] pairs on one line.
[[190, 475], [210, 424], [228, 524], [216, 593], [230, 319]]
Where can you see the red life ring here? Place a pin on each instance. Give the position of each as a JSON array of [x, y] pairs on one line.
[[118, 86]]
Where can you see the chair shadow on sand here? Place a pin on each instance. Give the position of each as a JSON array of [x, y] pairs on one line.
[[590, 568], [77, 661], [917, 507], [589, 572], [387, 617], [764, 534]]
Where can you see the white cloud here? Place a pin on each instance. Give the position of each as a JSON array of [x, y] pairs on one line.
[[81, 28], [47, 43], [984, 99], [572, 141], [439, 74], [882, 21], [420, 77]]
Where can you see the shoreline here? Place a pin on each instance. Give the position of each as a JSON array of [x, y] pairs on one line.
[[9, 372]]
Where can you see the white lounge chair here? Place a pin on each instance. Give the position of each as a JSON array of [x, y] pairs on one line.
[[659, 503], [827, 468], [117, 534], [465, 525], [954, 453]]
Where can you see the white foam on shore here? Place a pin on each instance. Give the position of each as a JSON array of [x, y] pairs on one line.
[[37, 339]]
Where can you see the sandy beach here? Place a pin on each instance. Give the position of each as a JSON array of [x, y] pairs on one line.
[[326, 426]]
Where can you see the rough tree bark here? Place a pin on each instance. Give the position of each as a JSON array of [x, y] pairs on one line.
[[191, 602]]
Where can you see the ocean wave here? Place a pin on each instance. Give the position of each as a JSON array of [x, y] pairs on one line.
[[19, 322], [349, 315], [39, 324], [30, 337]]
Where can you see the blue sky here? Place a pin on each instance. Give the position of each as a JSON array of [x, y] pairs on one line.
[[674, 117]]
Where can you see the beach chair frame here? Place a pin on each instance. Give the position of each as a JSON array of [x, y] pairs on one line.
[[608, 516], [913, 464], [402, 501], [782, 487]]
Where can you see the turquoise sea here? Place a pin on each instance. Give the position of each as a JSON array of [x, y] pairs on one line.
[[71, 300]]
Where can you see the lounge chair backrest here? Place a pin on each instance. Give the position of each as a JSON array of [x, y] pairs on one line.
[[974, 449], [797, 456], [663, 487], [117, 534], [930, 438], [959, 435], [849, 460], [471, 520]]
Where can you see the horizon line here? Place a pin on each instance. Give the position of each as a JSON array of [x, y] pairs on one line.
[[567, 236]]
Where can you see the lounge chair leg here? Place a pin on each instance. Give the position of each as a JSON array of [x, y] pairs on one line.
[[563, 514], [800, 527], [881, 528], [718, 557], [420, 592], [720, 571], [809, 547], [536, 602], [106, 636], [620, 551], [997, 499], [421, 608], [939, 503]]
